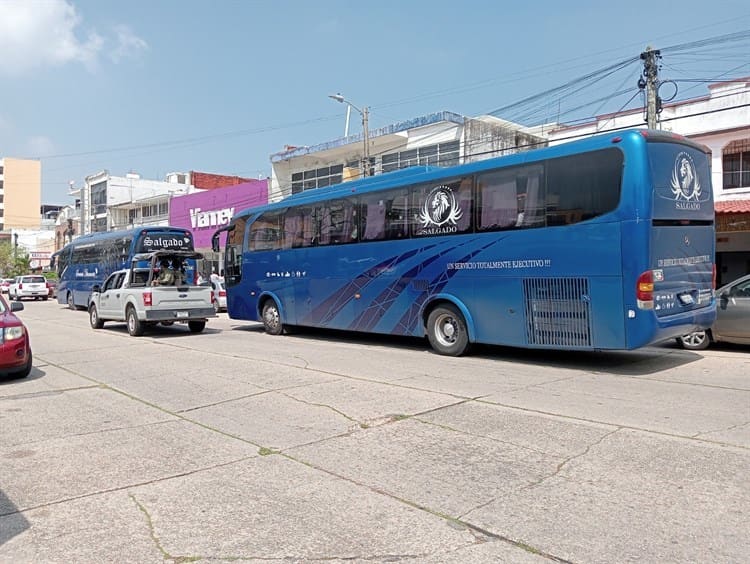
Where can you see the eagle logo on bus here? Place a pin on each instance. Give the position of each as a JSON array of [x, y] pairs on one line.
[[685, 183], [440, 208]]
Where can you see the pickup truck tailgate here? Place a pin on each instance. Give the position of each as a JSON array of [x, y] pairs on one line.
[[181, 297]]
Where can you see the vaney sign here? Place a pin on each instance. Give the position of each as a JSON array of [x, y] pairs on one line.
[[200, 219]]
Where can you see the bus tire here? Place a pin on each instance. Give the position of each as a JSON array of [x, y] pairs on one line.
[[135, 326], [94, 319], [446, 331], [272, 318], [196, 326], [71, 303]]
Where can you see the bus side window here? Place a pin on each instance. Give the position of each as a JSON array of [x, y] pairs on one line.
[[265, 233], [337, 222], [499, 201], [397, 216], [373, 218], [292, 230], [464, 200]]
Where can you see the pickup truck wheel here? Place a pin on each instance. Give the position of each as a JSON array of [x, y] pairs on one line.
[[94, 319], [196, 326], [135, 326], [272, 318]]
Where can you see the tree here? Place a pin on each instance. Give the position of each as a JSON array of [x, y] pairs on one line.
[[13, 262]]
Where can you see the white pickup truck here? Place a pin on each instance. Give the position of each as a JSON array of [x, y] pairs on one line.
[[142, 296]]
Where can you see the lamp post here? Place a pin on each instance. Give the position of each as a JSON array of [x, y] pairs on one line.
[[366, 133]]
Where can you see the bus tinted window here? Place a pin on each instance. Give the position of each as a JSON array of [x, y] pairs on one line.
[[441, 209], [337, 222], [511, 198], [583, 186], [266, 232]]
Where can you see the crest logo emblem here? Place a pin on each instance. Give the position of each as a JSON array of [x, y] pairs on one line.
[[685, 183], [440, 208]]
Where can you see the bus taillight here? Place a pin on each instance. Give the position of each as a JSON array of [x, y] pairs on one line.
[[147, 299], [644, 290]]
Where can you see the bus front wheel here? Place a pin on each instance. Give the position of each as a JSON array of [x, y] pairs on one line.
[[71, 303], [272, 318], [446, 331]]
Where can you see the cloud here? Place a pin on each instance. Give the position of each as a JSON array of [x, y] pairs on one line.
[[128, 44], [34, 35]]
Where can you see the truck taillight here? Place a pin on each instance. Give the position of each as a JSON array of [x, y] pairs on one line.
[[222, 293], [644, 290], [147, 299], [213, 296]]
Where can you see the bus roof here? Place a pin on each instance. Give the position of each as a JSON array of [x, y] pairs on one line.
[[134, 232]]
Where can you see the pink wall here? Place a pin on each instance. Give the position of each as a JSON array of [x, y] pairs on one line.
[[206, 211]]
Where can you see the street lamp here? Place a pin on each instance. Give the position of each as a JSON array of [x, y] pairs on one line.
[[364, 113]]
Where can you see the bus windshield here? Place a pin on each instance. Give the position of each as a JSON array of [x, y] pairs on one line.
[[602, 243]]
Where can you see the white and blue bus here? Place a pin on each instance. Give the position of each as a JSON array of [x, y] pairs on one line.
[[604, 243], [91, 258]]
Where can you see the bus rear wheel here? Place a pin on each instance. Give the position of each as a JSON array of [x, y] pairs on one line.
[[272, 318], [446, 331]]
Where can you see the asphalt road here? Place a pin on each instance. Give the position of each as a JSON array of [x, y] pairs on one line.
[[233, 445]]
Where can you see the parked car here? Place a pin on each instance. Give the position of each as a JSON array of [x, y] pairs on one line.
[[732, 323], [52, 287], [15, 349], [28, 286], [5, 284], [220, 295]]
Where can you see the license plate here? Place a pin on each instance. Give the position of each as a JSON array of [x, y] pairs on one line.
[[686, 299], [182, 314]]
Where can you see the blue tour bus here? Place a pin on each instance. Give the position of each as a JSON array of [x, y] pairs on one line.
[[91, 258], [602, 243]]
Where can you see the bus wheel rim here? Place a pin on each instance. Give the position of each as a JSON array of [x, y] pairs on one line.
[[446, 330]]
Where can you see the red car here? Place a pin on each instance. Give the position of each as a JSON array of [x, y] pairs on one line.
[[15, 347]]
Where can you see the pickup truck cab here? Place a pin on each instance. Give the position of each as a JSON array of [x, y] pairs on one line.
[[144, 296]]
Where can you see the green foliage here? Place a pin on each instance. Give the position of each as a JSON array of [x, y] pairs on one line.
[[10, 264]]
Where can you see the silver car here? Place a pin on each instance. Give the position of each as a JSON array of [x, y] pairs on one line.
[[732, 323]]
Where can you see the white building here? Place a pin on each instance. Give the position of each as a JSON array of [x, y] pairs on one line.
[[442, 139], [108, 202]]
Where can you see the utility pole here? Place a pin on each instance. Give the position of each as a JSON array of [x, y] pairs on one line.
[[651, 84], [366, 130]]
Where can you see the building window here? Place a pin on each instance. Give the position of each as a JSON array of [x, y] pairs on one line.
[[441, 154], [99, 224], [2, 184], [736, 164], [317, 178]]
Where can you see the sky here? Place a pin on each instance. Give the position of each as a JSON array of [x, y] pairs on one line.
[[160, 86]]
